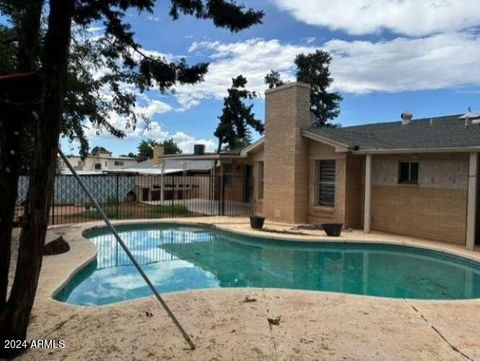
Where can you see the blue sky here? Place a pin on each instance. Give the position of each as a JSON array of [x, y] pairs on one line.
[[388, 57]]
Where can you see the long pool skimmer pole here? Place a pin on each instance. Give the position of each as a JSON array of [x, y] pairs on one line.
[[92, 199]]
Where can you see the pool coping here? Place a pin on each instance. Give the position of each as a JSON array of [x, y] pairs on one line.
[[77, 234]]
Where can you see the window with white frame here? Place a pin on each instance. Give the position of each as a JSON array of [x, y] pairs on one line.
[[118, 163], [408, 172], [326, 174]]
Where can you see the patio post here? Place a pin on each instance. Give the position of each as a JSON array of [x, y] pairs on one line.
[[368, 194], [162, 183], [472, 201]]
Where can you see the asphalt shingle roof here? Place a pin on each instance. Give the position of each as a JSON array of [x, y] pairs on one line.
[[440, 132]]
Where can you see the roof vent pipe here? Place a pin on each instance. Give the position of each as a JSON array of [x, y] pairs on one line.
[[406, 118], [468, 122]]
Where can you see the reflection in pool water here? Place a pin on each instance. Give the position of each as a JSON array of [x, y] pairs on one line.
[[180, 258]]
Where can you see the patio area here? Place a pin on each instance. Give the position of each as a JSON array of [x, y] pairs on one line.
[[312, 325], [207, 207]]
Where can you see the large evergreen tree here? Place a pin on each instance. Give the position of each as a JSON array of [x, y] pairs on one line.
[[233, 128], [60, 110], [314, 69], [273, 79]]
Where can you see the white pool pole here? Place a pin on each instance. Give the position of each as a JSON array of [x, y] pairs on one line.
[[92, 199]]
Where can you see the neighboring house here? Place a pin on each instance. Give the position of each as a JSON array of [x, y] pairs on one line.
[[410, 177], [97, 163]]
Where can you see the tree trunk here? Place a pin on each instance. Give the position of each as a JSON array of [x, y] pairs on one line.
[[29, 30], [10, 140], [12, 123], [14, 321]]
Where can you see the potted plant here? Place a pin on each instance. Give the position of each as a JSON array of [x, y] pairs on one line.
[[332, 229], [256, 222]]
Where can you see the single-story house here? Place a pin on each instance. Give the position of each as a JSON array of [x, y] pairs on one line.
[[415, 177]]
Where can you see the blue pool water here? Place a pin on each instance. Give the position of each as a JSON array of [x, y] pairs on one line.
[[178, 258]]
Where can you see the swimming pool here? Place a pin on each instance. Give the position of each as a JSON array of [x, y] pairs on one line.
[[179, 258]]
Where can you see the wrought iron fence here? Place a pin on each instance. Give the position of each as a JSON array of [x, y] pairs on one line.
[[144, 196]]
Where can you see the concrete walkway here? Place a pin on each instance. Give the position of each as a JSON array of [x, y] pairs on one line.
[[312, 325], [207, 207]]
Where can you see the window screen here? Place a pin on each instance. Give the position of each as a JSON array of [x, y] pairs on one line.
[[326, 182]]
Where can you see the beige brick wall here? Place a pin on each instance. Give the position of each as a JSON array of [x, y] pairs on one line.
[[433, 209], [354, 174], [438, 214], [286, 153], [319, 214]]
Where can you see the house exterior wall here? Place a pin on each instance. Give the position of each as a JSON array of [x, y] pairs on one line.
[[319, 214], [286, 153], [257, 159], [435, 208], [354, 173], [88, 164]]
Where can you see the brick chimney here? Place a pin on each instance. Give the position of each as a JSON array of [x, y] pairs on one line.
[[287, 111], [158, 153]]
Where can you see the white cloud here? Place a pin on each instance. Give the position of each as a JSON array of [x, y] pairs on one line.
[[409, 17], [253, 58], [186, 142], [435, 62], [152, 129], [402, 64], [154, 107]]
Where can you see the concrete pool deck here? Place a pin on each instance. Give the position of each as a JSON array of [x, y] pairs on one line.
[[313, 325]]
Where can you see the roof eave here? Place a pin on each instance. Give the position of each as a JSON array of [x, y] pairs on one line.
[[418, 150], [339, 147], [252, 147]]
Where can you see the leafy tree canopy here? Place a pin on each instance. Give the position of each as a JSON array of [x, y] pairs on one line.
[[117, 56], [273, 79], [145, 148], [237, 117], [97, 150]]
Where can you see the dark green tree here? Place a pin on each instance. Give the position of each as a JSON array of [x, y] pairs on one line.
[[145, 148], [130, 155], [60, 112], [314, 69], [236, 116], [96, 150], [171, 147], [273, 79]]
